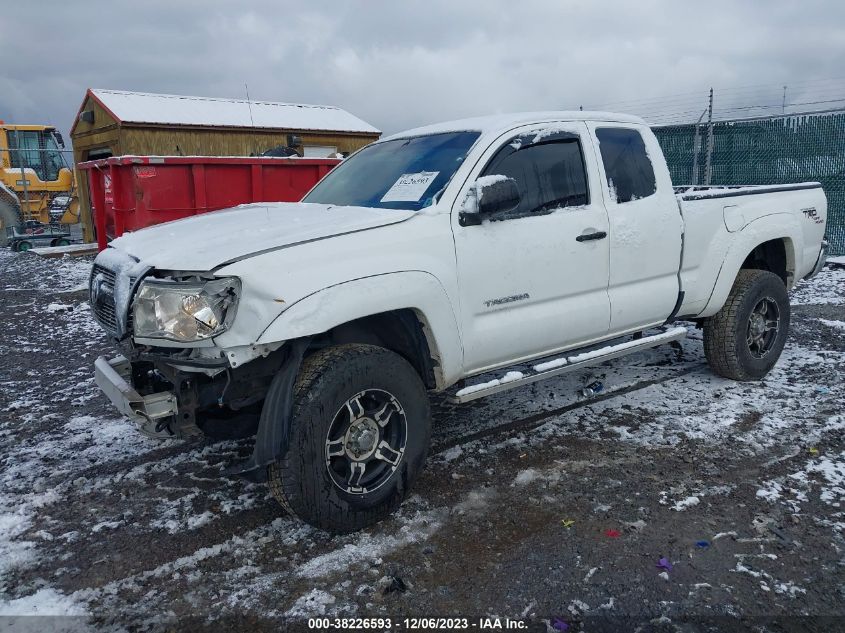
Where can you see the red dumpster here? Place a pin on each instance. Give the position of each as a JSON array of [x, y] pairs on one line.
[[131, 192]]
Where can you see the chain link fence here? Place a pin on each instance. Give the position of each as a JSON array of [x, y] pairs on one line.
[[765, 151]]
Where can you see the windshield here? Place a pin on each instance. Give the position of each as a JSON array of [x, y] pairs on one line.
[[406, 173], [36, 150]]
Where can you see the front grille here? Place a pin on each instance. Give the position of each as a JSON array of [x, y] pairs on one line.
[[102, 302], [129, 317], [113, 279], [107, 274]]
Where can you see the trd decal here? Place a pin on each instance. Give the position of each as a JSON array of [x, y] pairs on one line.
[[812, 214]]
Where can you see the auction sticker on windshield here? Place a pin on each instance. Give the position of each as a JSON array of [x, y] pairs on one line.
[[410, 187]]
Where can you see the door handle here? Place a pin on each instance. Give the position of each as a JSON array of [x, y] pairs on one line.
[[598, 235]]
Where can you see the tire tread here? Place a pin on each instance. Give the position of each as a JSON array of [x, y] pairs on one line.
[[283, 472], [721, 329]]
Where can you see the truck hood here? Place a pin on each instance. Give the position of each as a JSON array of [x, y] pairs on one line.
[[205, 242]]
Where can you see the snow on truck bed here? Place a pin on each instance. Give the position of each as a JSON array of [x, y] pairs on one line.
[[696, 192]]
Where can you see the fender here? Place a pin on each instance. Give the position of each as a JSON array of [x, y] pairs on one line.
[[776, 226], [358, 298]]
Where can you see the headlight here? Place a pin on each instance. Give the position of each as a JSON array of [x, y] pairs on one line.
[[184, 311]]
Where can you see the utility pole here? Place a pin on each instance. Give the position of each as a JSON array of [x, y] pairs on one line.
[[708, 164], [783, 107]]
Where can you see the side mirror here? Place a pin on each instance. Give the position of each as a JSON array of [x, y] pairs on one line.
[[59, 140], [493, 195]]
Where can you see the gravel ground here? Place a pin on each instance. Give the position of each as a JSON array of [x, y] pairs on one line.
[[535, 504]]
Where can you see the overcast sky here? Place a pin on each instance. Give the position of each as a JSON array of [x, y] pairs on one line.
[[398, 64]]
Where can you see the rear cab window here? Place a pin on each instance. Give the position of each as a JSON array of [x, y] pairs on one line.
[[627, 166], [549, 171]]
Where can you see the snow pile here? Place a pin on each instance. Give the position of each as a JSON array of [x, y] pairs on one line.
[[510, 376], [525, 477], [313, 603], [663, 336], [59, 307], [683, 504], [550, 364], [832, 470], [836, 325], [370, 547], [826, 473], [43, 602], [608, 349]]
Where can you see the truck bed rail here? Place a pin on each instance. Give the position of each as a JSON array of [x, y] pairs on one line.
[[699, 192]]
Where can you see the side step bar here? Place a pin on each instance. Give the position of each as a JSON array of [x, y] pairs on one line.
[[565, 365]]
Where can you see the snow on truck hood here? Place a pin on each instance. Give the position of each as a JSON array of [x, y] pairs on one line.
[[204, 242]]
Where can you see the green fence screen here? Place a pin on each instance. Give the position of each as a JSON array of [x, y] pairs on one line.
[[774, 150]]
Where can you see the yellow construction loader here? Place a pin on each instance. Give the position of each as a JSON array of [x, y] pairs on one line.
[[36, 183]]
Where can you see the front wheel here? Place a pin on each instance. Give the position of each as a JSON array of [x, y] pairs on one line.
[[360, 429], [744, 340]]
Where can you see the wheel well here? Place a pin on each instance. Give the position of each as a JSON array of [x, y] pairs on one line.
[[400, 331], [771, 256]]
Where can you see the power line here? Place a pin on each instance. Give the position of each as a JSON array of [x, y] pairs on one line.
[[731, 94]]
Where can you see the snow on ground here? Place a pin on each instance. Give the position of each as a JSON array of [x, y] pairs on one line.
[[519, 494], [824, 288], [839, 325], [66, 274], [43, 602]]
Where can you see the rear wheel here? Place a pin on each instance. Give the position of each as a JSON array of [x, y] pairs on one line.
[[24, 246], [62, 242], [359, 436], [744, 340]]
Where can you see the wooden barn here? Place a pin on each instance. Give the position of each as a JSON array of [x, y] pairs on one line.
[[118, 122]]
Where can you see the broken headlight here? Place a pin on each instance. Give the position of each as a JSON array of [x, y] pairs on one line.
[[184, 312]]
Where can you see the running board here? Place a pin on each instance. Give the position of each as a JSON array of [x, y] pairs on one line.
[[565, 365]]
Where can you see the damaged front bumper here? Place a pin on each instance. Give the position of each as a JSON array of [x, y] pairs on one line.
[[167, 398], [114, 376]]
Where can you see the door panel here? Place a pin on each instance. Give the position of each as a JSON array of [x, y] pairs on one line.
[[645, 226], [528, 286]]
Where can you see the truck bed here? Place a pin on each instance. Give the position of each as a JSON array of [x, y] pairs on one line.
[[723, 222]]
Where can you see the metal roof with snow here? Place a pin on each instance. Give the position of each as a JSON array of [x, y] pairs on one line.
[[163, 109]]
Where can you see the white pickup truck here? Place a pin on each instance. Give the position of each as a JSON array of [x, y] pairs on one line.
[[435, 260]]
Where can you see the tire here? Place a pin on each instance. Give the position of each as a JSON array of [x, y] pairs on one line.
[[24, 246], [10, 215], [317, 486], [732, 340], [62, 242]]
